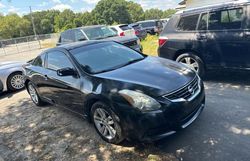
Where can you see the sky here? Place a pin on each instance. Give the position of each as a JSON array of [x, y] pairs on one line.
[[21, 7]]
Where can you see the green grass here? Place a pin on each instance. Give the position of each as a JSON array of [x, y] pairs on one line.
[[150, 45]]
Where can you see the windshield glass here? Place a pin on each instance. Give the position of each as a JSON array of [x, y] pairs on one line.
[[105, 56], [100, 32]]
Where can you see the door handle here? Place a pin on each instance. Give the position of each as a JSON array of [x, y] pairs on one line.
[[46, 77]]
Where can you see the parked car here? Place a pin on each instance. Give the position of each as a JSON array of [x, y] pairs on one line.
[[212, 37], [123, 30], [98, 32], [11, 77], [152, 26], [119, 89], [164, 21], [139, 31]]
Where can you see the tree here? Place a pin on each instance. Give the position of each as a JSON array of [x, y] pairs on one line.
[[153, 14], [168, 13], [12, 26], [46, 26], [109, 12], [136, 12], [64, 20]]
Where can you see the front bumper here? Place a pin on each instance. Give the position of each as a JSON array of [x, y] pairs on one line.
[[155, 125]]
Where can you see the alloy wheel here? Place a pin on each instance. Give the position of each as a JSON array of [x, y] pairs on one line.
[[191, 62], [17, 81], [33, 93], [104, 123]]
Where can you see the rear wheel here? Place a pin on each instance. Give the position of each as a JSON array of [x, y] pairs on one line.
[[15, 81], [34, 95], [193, 61], [106, 123]]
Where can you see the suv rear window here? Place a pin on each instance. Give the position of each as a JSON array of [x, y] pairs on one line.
[[225, 19], [188, 23]]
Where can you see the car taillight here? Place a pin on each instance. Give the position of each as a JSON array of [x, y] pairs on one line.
[[162, 40], [122, 34], [136, 32]]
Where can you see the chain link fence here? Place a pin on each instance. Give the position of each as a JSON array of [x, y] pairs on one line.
[[29, 43]]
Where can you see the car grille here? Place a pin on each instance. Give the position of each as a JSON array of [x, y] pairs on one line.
[[185, 92], [131, 43]]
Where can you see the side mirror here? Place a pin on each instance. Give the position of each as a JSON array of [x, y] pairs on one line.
[[66, 72]]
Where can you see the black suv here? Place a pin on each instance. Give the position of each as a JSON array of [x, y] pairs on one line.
[[209, 37]]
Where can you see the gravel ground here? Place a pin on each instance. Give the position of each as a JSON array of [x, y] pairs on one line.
[[222, 132]]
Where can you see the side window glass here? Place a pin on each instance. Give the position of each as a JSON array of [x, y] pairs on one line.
[[58, 60], [79, 36], [226, 19], [112, 28], [39, 61], [188, 23], [203, 22], [67, 37]]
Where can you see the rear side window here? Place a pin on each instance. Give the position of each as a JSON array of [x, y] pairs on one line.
[[58, 60], [79, 36], [188, 23], [39, 61], [112, 28], [225, 19], [203, 22], [68, 36], [148, 24], [125, 27]]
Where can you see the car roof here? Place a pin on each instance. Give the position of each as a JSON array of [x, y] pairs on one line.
[[119, 25], [75, 45], [148, 21], [86, 27], [214, 6]]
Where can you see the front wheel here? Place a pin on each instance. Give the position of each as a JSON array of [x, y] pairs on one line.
[[193, 61], [34, 95], [15, 81], [106, 123]]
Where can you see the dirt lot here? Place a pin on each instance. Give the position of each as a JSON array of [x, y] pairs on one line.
[[222, 132]]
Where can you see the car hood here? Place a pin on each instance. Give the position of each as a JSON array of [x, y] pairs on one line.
[[10, 64], [153, 75], [122, 39]]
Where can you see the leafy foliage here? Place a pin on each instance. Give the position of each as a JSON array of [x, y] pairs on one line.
[[105, 12]]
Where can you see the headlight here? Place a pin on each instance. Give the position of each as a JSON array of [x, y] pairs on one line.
[[140, 100]]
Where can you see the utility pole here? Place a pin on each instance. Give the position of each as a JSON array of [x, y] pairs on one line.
[[33, 25]]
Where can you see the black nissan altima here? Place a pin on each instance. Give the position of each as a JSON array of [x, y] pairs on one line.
[[124, 93]]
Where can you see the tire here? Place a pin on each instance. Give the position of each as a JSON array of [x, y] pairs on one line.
[[192, 60], [112, 129], [15, 81], [33, 93]]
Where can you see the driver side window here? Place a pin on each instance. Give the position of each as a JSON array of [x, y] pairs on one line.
[[58, 60]]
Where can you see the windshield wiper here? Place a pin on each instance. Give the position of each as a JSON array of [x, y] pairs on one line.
[[119, 66]]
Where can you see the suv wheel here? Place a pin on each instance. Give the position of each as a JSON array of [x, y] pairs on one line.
[[193, 61], [106, 123]]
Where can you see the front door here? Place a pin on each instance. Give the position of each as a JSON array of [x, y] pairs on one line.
[[64, 90]]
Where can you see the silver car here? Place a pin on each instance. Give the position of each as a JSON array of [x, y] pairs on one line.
[[11, 77]]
